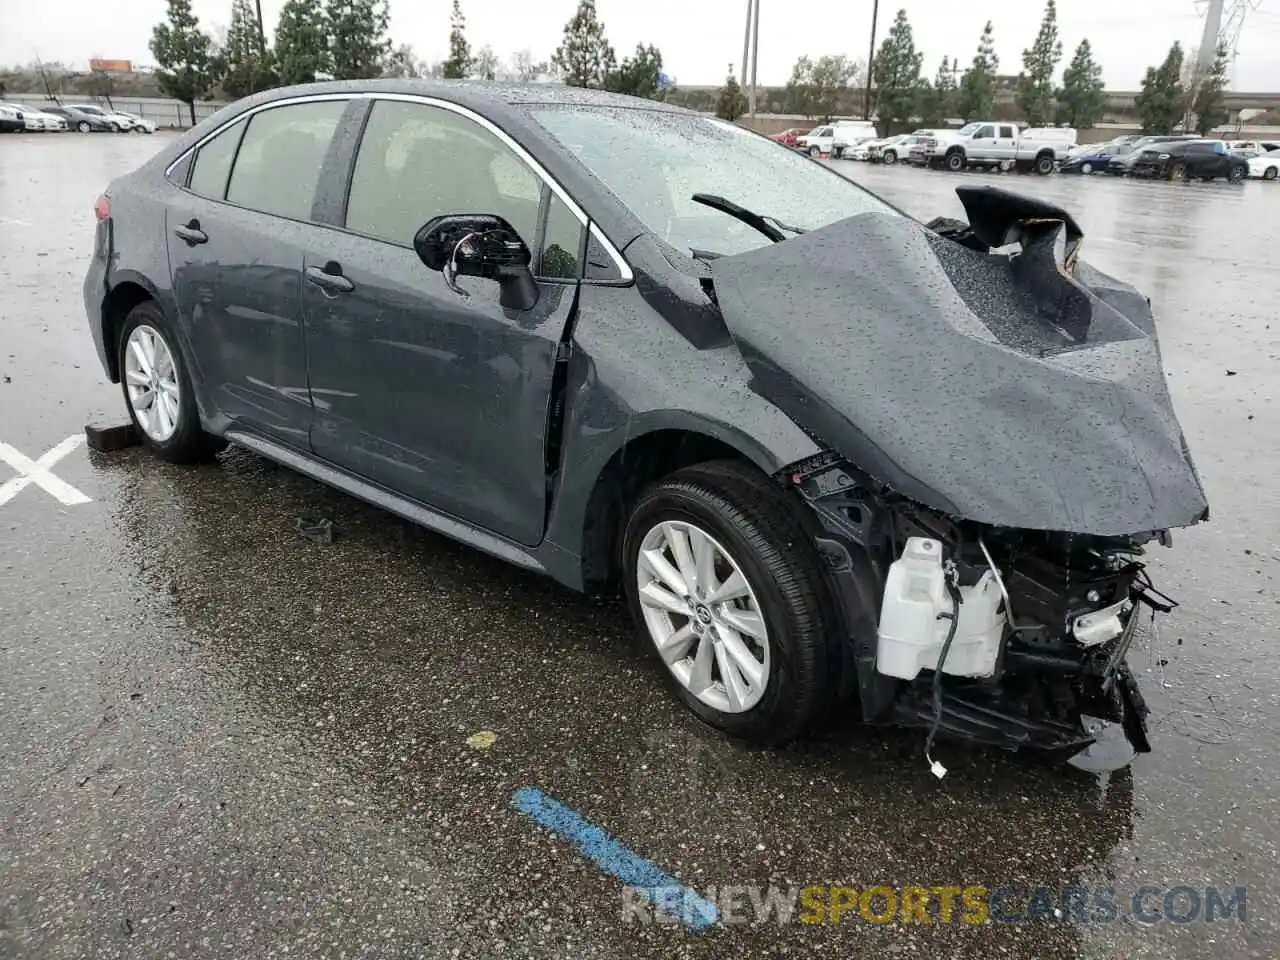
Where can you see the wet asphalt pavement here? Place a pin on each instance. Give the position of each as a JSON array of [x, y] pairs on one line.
[[218, 738]]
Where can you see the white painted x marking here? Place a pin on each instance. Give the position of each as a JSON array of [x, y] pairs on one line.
[[38, 472]]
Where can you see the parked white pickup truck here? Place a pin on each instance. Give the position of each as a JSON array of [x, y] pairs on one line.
[[999, 145]]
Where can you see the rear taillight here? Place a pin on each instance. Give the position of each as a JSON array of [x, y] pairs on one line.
[[102, 207]]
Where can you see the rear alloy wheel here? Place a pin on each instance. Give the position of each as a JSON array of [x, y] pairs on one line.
[[889, 156], [157, 389], [727, 590], [83, 126]]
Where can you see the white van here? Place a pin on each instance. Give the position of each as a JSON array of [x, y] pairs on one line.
[[834, 137]]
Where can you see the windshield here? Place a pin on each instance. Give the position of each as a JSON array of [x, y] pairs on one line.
[[93, 110], [968, 128], [655, 161]]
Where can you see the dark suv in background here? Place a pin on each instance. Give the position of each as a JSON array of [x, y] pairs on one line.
[[1203, 159]]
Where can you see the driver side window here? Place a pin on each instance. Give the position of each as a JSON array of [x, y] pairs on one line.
[[417, 161], [985, 133]]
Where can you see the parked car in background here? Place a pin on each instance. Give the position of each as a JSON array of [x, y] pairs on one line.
[[1094, 157], [541, 321], [1265, 166], [897, 148], [81, 121], [789, 137], [33, 120], [11, 120], [1192, 159], [990, 145], [1121, 162], [1253, 147], [139, 124], [120, 122], [836, 137]]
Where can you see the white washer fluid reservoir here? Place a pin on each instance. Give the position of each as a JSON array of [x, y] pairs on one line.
[[911, 635]]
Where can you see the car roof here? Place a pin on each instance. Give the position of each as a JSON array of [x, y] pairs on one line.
[[482, 95]]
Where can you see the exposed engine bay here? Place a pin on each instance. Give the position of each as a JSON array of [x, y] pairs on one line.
[[1010, 638], [1003, 450]]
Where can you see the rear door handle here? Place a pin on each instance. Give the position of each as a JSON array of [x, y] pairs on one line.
[[191, 234], [330, 278]]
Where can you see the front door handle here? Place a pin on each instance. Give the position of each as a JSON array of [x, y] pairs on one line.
[[330, 278], [191, 234]]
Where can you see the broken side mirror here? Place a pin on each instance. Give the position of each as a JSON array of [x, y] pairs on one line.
[[479, 245]]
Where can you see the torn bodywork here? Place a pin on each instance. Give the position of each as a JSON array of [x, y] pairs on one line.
[[1003, 449], [1043, 655]]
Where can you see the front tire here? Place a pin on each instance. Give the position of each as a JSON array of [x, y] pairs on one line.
[[1270, 173], [727, 590], [955, 161], [157, 389], [889, 156], [83, 126], [1086, 168], [815, 152]]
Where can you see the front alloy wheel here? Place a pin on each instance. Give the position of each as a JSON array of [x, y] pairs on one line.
[[815, 152], [889, 156], [83, 126], [729, 594], [703, 616]]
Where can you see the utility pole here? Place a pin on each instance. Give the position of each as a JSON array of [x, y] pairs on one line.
[[1207, 54], [262, 31], [871, 60], [746, 46], [755, 49]]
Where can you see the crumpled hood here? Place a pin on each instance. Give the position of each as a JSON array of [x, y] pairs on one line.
[[1022, 391]]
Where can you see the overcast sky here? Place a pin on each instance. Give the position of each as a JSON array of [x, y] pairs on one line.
[[699, 38]]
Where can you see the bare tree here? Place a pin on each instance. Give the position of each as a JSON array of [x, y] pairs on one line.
[[485, 64], [525, 69]]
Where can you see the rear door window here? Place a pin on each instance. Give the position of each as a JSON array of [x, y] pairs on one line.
[[278, 165], [212, 165], [1008, 132]]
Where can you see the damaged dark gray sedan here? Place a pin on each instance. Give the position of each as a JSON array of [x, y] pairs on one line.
[[837, 459]]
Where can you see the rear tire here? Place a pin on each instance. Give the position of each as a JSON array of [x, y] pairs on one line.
[[1236, 174], [187, 442], [755, 530], [1044, 164]]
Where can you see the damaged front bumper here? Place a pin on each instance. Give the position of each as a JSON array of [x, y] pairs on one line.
[[1043, 622]]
